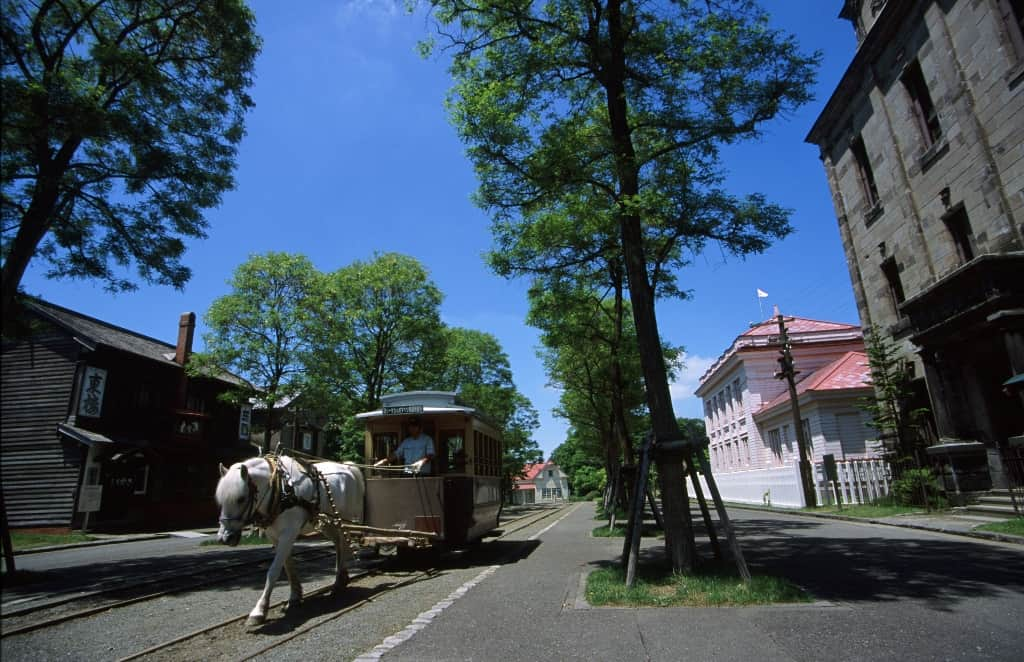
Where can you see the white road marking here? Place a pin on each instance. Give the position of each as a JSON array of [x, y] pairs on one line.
[[424, 619]]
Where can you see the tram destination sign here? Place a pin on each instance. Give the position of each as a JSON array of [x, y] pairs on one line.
[[405, 409]]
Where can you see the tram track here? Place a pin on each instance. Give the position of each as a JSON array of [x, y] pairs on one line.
[[165, 649], [202, 579]]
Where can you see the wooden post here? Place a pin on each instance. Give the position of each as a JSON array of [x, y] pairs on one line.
[[723, 517], [5, 536], [636, 512], [712, 533], [654, 508]]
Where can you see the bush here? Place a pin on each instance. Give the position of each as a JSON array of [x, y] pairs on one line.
[[916, 487]]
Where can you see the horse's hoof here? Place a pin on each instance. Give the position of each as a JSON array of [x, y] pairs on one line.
[[254, 622], [292, 605]]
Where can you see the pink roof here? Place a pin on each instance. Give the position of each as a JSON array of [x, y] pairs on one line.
[[796, 325], [849, 371], [530, 472]]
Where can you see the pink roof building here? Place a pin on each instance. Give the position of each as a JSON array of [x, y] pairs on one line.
[[748, 415]]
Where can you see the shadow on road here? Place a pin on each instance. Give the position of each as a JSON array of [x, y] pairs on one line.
[[848, 567], [937, 570]]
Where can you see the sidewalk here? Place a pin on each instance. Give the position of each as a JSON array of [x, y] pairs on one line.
[[943, 522], [908, 594]]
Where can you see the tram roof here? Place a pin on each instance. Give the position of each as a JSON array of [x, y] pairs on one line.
[[413, 403]]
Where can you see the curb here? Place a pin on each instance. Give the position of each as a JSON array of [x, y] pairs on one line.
[[981, 535]]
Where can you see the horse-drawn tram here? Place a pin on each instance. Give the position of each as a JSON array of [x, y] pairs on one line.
[[453, 499], [432, 480]]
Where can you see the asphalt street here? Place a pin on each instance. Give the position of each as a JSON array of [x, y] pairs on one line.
[[883, 593]]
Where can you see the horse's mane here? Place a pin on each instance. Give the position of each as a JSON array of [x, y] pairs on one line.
[[231, 486]]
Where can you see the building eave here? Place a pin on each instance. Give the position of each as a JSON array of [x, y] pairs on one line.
[[875, 42]]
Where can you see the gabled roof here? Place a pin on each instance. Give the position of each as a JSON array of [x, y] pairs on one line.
[[765, 335], [92, 333], [849, 372], [796, 325]]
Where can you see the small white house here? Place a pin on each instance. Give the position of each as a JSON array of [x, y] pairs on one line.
[[543, 482]]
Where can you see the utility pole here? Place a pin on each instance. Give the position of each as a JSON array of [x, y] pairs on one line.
[[787, 372]]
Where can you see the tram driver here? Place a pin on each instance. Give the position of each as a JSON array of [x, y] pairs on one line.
[[416, 451]]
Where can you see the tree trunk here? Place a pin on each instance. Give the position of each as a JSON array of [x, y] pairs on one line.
[[678, 527]]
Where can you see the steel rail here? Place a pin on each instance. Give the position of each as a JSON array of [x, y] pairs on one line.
[[117, 604]]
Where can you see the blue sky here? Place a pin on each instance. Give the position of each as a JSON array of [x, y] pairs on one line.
[[349, 151]]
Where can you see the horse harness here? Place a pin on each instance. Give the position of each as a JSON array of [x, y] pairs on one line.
[[283, 495]]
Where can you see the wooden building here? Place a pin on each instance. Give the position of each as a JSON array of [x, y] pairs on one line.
[[101, 420]]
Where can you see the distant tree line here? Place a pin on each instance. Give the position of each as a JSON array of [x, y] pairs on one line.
[[342, 339]]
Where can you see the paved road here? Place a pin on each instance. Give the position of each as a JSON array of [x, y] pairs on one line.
[[892, 593]]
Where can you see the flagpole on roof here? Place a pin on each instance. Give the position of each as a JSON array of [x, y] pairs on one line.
[[761, 294]]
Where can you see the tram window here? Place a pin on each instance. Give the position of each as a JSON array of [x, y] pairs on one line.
[[383, 445], [454, 451]]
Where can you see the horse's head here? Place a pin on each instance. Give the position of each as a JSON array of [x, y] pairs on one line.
[[236, 495]]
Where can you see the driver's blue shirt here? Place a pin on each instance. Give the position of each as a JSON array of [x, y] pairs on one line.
[[415, 448]]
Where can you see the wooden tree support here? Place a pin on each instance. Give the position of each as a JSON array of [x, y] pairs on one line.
[[636, 511], [708, 524], [634, 527], [723, 517]]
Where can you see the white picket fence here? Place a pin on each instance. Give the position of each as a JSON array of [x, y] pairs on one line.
[[860, 481]]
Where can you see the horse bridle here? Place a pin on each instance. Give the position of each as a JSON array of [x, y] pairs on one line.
[[251, 506]]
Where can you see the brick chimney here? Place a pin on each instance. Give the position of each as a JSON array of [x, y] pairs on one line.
[[186, 331]]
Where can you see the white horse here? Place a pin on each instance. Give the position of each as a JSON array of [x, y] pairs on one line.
[[284, 496]]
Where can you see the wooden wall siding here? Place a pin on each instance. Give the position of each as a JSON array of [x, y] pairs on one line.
[[39, 471]]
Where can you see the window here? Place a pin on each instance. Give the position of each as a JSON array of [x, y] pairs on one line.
[[551, 473], [864, 172], [960, 230], [728, 399], [775, 443], [140, 479], [892, 278], [921, 103], [1013, 18], [307, 441], [738, 392]]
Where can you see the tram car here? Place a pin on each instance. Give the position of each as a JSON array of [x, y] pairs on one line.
[[458, 501]]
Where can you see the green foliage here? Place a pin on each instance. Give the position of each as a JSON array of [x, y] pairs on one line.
[[588, 480], [916, 487], [595, 128], [257, 330], [22, 540], [1012, 526], [711, 587], [477, 367], [901, 429], [373, 327], [120, 126]]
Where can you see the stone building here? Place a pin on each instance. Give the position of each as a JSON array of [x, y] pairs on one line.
[[923, 147]]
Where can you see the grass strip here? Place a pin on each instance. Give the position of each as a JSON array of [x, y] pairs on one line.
[[713, 586], [1014, 527], [22, 540], [869, 511], [648, 531]]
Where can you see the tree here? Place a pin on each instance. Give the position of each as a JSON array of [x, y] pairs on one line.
[[476, 366], [623, 107], [120, 125], [901, 428], [373, 327], [258, 330]]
